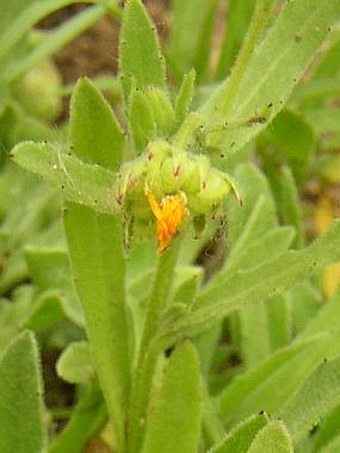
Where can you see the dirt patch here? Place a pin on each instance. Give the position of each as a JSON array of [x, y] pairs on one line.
[[95, 52]]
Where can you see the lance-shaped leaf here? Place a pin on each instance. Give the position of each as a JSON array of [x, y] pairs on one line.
[[273, 276], [21, 411], [267, 385], [97, 261], [141, 121], [228, 293], [274, 435], [240, 438], [254, 239], [271, 73], [319, 394], [90, 185], [185, 96], [95, 133], [140, 55], [174, 421]]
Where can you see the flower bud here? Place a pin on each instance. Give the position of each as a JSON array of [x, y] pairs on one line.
[[166, 185]]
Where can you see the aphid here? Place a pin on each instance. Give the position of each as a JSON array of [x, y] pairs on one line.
[[169, 214]]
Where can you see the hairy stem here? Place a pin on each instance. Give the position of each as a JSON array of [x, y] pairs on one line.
[[147, 359]]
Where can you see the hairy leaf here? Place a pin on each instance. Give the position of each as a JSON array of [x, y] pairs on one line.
[[174, 422], [21, 411], [90, 185], [318, 395], [98, 265], [140, 55], [95, 134], [239, 439], [271, 73], [274, 436]]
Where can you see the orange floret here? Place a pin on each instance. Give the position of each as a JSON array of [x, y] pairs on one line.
[[169, 214]]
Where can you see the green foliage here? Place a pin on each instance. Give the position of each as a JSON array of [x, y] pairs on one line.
[[21, 409], [240, 438], [64, 34], [176, 416], [140, 59], [101, 291], [238, 18], [75, 364], [141, 119], [284, 54], [278, 375], [224, 341], [223, 295], [84, 183], [273, 437], [317, 396], [187, 33], [185, 95], [50, 269], [295, 149], [95, 134], [87, 419], [30, 84]]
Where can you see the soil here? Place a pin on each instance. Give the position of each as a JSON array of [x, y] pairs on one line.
[[94, 53]]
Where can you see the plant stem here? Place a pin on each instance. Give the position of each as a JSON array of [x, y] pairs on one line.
[[147, 359], [161, 286]]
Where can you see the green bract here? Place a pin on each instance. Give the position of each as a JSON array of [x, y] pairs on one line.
[[164, 169]]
